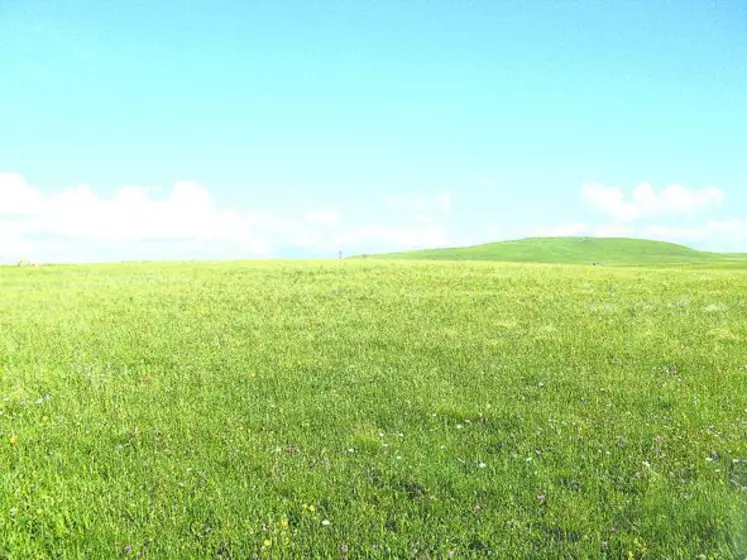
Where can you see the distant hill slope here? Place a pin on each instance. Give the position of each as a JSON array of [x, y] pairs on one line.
[[577, 250]]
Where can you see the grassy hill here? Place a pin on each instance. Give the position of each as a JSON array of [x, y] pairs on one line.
[[577, 250]]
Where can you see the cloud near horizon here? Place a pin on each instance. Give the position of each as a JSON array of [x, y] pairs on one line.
[[645, 202], [75, 224], [674, 203], [143, 222], [135, 213]]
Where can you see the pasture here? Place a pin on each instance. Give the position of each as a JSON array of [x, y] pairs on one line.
[[372, 409]]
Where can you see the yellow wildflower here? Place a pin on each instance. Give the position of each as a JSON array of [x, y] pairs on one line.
[[283, 522], [267, 543], [13, 440]]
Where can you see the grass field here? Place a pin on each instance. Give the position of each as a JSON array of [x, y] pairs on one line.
[[581, 250], [372, 409]]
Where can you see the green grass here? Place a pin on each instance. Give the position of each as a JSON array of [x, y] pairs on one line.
[[579, 250], [372, 409]]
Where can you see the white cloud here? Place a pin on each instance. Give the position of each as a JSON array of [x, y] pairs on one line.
[[12, 242], [674, 201], [728, 235], [133, 214], [645, 202], [17, 197], [140, 222], [375, 239], [402, 238], [183, 222], [134, 220]]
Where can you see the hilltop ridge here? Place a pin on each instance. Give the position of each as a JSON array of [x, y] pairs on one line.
[[575, 250]]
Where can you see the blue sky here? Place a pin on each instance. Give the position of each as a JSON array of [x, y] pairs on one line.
[[225, 129]]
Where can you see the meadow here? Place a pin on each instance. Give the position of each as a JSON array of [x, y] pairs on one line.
[[372, 409]]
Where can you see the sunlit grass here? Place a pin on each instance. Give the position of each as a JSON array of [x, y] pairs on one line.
[[372, 409], [582, 250]]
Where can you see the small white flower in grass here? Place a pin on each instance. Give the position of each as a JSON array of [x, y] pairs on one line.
[[351, 450], [381, 434], [709, 459], [482, 465], [460, 426], [326, 523]]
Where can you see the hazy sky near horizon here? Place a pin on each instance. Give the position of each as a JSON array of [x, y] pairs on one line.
[[226, 129]]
